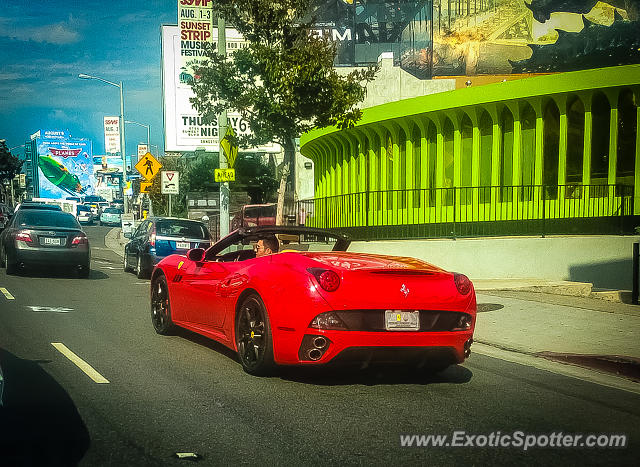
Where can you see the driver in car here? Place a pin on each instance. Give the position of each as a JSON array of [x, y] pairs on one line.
[[267, 246]]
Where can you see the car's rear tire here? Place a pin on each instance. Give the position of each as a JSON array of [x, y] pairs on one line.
[[12, 266], [161, 306], [126, 267], [2, 260], [141, 272], [253, 337]]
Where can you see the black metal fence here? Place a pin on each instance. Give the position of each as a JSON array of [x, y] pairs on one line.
[[475, 211]]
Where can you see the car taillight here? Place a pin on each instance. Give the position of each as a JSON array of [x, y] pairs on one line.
[[463, 323], [328, 279], [463, 284], [328, 320], [152, 237], [24, 236], [79, 240]]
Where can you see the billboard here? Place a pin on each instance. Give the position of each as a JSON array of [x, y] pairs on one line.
[[185, 130], [535, 36], [107, 172], [64, 165], [446, 37], [111, 134]]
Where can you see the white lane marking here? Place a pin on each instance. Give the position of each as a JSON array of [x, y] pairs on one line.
[[80, 363], [572, 371], [7, 294], [46, 309], [142, 283], [110, 267]]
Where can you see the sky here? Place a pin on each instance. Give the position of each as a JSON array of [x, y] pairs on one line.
[[45, 44]]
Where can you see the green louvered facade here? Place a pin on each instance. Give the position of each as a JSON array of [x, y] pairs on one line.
[[563, 149]]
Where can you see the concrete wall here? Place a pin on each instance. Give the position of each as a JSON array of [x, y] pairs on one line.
[[604, 261], [392, 84]]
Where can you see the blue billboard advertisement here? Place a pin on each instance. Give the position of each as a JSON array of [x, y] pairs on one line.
[[65, 165]]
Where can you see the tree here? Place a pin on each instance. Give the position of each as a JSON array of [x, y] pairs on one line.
[[283, 83], [10, 165], [255, 177]]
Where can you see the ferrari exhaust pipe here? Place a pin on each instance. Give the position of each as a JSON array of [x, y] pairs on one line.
[[314, 354], [320, 342]]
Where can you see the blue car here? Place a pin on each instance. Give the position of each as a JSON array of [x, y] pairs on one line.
[[158, 237]]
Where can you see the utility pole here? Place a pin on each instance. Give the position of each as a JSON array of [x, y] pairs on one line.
[[222, 129]]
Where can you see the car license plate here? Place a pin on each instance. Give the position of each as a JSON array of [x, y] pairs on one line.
[[183, 245], [398, 320], [52, 241]]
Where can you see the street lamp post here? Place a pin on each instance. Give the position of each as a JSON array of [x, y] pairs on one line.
[[148, 127], [122, 146]]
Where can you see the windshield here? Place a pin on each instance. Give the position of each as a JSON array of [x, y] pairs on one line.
[[181, 228], [260, 211], [37, 218], [83, 209], [112, 211]]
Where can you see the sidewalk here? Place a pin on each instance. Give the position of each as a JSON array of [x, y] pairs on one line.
[[551, 319], [115, 241]]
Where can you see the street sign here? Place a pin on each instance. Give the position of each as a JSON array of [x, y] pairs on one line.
[[170, 182], [225, 175], [230, 146], [127, 223], [148, 166], [145, 187]]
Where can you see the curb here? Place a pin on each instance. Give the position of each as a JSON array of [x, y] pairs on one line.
[[113, 241]]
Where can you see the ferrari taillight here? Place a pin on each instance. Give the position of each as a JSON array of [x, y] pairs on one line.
[[463, 284], [24, 237], [327, 279]]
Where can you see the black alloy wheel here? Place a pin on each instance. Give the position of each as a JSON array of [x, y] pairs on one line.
[[253, 337], [161, 307]]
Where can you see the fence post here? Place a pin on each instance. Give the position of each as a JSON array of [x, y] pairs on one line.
[[544, 217], [636, 261]]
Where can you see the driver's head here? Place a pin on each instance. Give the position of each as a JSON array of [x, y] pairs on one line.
[[267, 245]]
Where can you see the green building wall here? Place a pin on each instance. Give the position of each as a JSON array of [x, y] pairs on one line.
[[555, 146]]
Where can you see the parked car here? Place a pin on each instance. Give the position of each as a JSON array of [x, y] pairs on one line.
[[158, 237], [313, 303], [44, 237], [111, 216], [5, 215], [84, 214], [251, 215]]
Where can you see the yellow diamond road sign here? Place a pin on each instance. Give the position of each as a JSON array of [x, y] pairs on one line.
[[148, 166], [229, 146]]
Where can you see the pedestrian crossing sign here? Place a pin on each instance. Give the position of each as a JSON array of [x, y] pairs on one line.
[[229, 146], [148, 166]]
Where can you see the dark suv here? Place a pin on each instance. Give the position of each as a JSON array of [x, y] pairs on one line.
[[158, 237]]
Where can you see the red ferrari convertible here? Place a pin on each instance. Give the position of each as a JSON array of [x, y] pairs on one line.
[[312, 302]]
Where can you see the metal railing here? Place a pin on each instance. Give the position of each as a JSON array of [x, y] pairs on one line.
[[474, 211]]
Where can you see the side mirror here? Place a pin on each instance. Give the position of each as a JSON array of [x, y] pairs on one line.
[[127, 235], [196, 255]]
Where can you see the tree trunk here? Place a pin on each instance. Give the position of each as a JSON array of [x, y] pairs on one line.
[[285, 170]]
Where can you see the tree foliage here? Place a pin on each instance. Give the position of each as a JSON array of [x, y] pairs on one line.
[[283, 83], [10, 165]]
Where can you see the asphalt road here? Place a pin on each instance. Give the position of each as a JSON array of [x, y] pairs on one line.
[[184, 393]]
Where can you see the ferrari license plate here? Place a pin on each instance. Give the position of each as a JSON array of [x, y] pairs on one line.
[[183, 245], [51, 241], [397, 320]]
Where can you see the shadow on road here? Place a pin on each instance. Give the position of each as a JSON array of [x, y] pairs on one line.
[[39, 423], [377, 375], [59, 273]]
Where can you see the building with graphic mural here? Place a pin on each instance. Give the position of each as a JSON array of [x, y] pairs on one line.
[[59, 166]]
